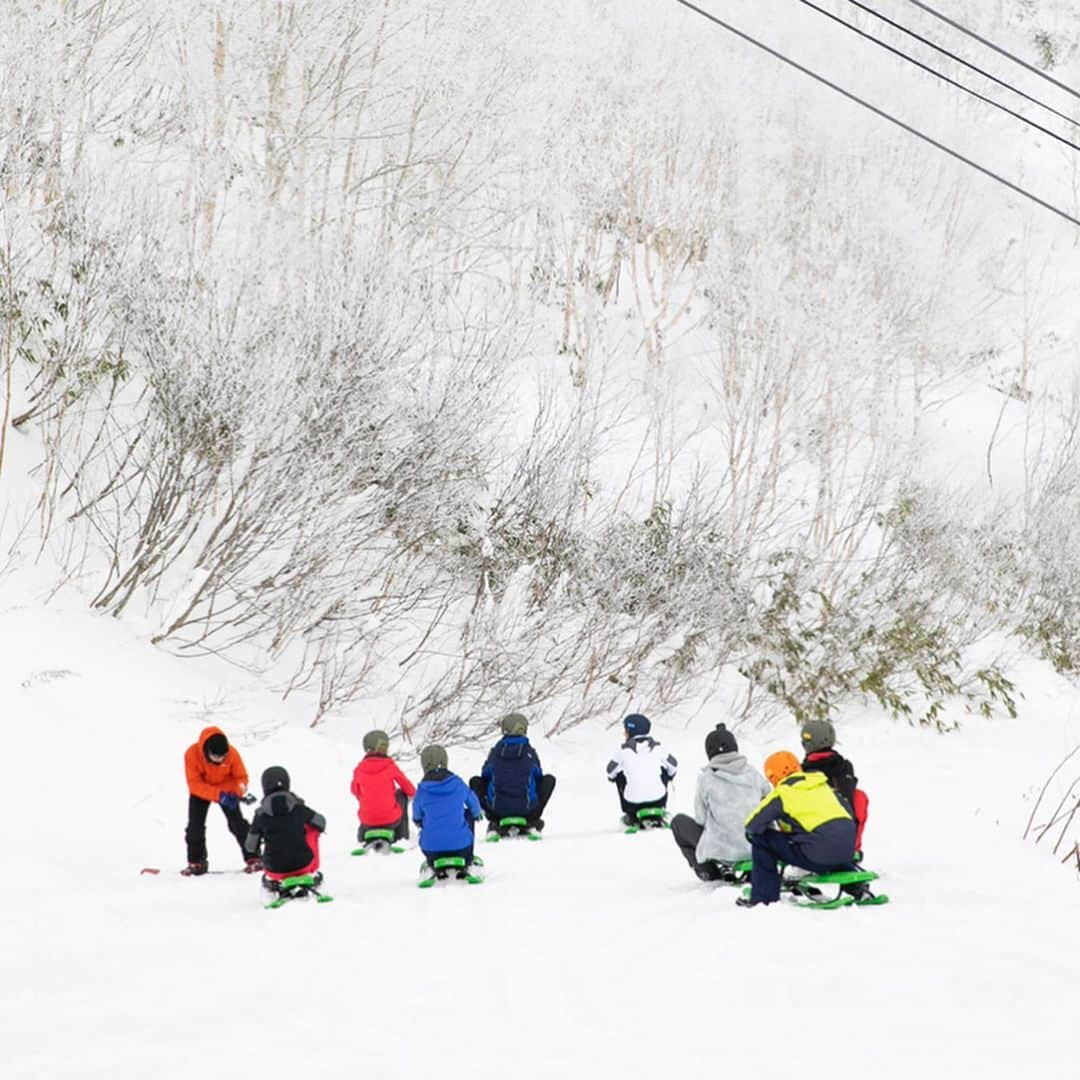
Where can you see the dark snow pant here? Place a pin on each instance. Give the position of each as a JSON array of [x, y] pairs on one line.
[[400, 827], [544, 788], [465, 853], [631, 808], [687, 833], [767, 849], [195, 834]]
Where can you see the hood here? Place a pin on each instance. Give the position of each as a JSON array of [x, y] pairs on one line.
[[806, 780], [438, 778], [373, 764], [511, 746], [729, 762], [279, 803], [212, 730]]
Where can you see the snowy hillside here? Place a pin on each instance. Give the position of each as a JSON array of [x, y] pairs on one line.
[[396, 365], [591, 953]]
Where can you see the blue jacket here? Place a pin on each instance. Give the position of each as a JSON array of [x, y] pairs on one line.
[[445, 809], [512, 770]]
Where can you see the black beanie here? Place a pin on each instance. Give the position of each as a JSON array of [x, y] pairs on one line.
[[217, 744], [720, 741]]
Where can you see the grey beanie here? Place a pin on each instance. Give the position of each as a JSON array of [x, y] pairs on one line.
[[376, 742], [720, 741], [818, 735], [433, 757], [275, 779], [514, 724]]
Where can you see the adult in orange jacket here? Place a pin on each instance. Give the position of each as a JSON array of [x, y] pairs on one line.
[[215, 774], [381, 789]]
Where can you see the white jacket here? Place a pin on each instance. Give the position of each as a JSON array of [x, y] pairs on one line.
[[729, 789], [647, 768]]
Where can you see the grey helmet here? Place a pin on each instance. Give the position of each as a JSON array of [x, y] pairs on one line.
[[818, 735], [433, 757], [376, 742], [514, 724], [275, 779]]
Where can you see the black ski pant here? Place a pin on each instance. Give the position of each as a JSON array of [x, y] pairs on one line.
[[687, 832], [632, 808], [195, 834], [770, 848], [465, 853], [545, 787], [400, 827]]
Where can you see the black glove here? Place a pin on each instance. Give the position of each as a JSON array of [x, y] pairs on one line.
[[248, 799]]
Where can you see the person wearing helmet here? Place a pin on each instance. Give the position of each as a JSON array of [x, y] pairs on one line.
[[813, 829], [382, 790], [215, 774], [728, 788], [286, 829], [641, 770], [445, 809], [512, 782], [818, 738]]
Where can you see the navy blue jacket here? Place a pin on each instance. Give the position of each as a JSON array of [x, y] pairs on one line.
[[512, 771], [445, 810]]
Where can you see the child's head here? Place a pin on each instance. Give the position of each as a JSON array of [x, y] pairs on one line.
[[780, 765], [514, 724], [275, 779], [376, 742], [818, 735], [433, 757], [636, 724], [720, 741]]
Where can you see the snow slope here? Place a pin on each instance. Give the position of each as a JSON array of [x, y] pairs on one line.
[[589, 952]]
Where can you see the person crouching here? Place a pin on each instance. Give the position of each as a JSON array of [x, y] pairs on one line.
[[814, 829], [286, 828]]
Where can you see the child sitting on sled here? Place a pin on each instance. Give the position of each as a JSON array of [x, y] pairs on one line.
[[818, 738], [512, 783], [287, 830], [641, 770], [445, 810], [382, 790]]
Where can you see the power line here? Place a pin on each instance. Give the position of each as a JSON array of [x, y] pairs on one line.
[[933, 71], [960, 60], [880, 112], [997, 48]]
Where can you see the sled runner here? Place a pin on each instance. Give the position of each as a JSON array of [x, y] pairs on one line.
[[508, 827], [450, 868], [379, 842]]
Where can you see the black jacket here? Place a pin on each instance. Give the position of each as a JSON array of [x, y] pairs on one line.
[[838, 769], [279, 825]]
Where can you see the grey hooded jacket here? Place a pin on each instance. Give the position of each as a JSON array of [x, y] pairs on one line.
[[729, 789]]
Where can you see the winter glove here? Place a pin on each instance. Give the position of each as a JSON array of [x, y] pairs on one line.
[[228, 801], [248, 799]]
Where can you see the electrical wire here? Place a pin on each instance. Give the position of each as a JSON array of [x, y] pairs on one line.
[[966, 63], [933, 71], [997, 48], [881, 112]]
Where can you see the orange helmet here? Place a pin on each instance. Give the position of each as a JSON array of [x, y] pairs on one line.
[[779, 765]]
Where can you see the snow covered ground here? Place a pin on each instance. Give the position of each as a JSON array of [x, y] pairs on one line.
[[589, 952]]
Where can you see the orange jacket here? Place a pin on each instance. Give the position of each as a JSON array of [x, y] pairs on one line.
[[205, 780]]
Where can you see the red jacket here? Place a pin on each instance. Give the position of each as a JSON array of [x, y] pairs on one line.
[[374, 783], [206, 780]]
